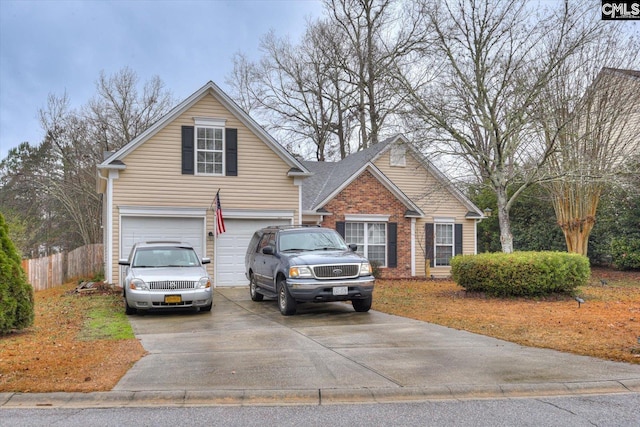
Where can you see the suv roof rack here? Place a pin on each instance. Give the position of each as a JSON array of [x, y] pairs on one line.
[[286, 227]]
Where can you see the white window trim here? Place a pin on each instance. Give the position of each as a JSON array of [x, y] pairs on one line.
[[366, 218], [203, 123], [443, 221], [366, 234], [210, 122]]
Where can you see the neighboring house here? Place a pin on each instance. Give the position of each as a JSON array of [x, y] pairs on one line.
[[162, 185], [617, 103]]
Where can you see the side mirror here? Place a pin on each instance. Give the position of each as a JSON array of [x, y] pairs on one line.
[[353, 247], [206, 260], [267, 250], [123, 262]]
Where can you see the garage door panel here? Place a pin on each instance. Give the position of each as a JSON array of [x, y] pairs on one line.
[[139, 229], [231, 248]]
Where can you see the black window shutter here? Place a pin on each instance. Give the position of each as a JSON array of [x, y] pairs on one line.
[[428, 242], [457, 239], [340, 228], [231, 155], [392, 245], [187, 150]]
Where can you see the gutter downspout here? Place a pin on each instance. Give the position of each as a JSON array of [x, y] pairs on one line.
[[413, 247], [107, 230]]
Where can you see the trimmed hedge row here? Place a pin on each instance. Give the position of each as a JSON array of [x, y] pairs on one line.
[[521, 273]]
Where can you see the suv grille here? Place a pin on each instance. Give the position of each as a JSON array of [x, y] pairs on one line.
[[171, 284], [336, 271]]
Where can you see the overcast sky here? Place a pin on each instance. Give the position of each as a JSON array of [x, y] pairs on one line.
[[53, 47]]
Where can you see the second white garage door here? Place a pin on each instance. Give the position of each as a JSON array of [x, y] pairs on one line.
[[231, 248]]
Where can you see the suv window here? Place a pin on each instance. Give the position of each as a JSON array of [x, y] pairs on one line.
[[269, 239], [311, 241]]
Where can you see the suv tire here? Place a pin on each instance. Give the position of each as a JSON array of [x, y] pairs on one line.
[[362, 305], [286, 303], [253, 290]]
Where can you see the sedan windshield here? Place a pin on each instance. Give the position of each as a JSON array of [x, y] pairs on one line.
[[165, 257], [311, 241]]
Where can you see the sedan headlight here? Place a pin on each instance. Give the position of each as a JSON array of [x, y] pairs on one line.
[[300, 272], [365, 269], [204, 283], [138, 284]]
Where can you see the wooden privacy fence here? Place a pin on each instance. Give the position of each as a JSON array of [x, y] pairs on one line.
[[55, 270]]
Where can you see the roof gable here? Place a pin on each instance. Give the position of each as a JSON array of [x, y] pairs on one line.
[[116, 158], [331, 177]]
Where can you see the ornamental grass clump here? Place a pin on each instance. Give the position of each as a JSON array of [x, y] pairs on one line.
[[521, 273]]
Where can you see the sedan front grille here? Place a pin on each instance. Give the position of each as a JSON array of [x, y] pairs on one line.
[[171, 285], [340, 271]]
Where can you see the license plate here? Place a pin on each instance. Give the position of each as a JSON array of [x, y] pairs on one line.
[[172, 299], [341, 290]]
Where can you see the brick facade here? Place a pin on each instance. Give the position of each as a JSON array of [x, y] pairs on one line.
[[367, 196]]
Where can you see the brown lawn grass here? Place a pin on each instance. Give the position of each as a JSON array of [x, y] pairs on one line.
[[55, 355], [606, 326]]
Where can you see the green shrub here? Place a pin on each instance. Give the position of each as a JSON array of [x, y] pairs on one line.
[[625, 252], [16, 294], [521, 273]]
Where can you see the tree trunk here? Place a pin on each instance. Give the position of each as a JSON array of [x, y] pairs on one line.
[[506, 238]]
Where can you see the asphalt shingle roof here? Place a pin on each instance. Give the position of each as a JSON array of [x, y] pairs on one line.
[[328, 176]]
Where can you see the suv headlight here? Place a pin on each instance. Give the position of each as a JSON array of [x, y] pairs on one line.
[[204, 283], [300, 272], [365, 269], [138, 284]]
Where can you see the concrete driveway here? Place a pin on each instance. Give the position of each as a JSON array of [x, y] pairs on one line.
[[246, 350]]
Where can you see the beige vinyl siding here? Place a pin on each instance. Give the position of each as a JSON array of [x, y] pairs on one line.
[[153, 175], [435, 200]]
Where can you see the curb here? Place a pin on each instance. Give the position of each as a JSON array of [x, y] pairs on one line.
[[314, 397]]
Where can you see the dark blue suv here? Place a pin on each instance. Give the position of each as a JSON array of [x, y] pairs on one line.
[[307, 264]]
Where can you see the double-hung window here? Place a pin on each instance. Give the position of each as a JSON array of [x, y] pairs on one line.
[[210, 150], [371, 238], [210, 145], [443, 243]]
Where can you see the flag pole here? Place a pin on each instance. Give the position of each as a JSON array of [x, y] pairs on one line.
[[215, 241]]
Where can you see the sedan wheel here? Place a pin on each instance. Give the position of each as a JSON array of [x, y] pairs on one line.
[[128, 310]]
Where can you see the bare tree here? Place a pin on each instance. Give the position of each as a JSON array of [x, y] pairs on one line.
[[478, 78], [594, 110], [119, 112], [55, 182], [334, 87]]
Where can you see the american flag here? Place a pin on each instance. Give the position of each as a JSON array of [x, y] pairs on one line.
[[218, 216]]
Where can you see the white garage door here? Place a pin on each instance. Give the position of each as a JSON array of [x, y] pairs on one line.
[[231, 248], [142, 229]]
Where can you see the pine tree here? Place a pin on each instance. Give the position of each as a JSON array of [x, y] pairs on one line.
[[16, 294]]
